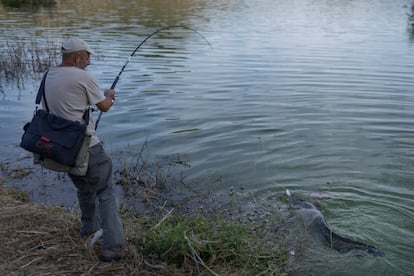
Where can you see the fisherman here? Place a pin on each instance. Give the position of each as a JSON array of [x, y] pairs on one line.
[[70, 90]]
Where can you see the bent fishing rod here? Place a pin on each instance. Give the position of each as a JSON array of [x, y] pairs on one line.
[[139, 46]]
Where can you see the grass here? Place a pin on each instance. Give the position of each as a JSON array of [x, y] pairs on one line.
[[40, 238], [212, 244], [21, 59], [210, 240], [37, 239]]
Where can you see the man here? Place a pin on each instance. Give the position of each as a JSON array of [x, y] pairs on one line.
[[69, 91]]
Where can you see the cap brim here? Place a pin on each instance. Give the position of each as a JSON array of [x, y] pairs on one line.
[[90, 52]]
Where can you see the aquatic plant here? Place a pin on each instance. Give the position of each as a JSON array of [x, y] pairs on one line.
[[22, 59]]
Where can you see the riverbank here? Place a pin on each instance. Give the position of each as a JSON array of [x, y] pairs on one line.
[[171, 238]]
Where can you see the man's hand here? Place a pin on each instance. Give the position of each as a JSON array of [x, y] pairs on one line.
[[110, 93]]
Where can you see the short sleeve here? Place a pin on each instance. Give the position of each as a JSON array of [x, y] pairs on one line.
[[93, 91]]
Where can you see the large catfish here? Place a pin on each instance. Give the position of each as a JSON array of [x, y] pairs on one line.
[[314, 221]]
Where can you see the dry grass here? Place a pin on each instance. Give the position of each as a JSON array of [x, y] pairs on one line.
[[44, 240]]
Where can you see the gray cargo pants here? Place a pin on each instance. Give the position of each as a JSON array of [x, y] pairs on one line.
[[98, 200]]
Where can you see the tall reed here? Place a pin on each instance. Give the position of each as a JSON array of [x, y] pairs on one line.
[[22, 59]]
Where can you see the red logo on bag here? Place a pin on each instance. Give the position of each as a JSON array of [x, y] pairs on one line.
[[45, 139]]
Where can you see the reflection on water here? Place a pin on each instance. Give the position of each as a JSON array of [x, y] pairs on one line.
[[314, 96]]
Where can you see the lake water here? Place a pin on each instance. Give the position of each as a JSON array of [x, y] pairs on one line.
[[311, 96]]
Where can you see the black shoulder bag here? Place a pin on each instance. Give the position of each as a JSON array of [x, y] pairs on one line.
[[57, 143]]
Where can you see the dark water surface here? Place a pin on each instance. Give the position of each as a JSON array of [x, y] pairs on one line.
[[311, 96]]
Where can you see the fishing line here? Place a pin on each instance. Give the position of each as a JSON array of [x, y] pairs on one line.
[[139, 46]]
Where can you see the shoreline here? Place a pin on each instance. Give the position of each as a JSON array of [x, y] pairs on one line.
[[159, 215]]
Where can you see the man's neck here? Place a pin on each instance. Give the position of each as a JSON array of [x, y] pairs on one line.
[[66, 65]]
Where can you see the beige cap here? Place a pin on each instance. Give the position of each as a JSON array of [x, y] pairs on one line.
[[75, 44]]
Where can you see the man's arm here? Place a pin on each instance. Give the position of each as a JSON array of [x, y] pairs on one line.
[[106, 104]]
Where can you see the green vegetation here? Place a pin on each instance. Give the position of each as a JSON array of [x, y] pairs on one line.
[[213, 244], [214, 239]]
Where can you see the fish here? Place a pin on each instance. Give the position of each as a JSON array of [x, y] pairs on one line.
[[315, 221]]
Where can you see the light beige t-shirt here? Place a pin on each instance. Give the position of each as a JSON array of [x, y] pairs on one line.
[[69, 92]]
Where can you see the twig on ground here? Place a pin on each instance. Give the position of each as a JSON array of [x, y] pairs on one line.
[[197, 257], [163, 219]]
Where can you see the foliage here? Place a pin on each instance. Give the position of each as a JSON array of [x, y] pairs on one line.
[[213, 243], [180, 234]]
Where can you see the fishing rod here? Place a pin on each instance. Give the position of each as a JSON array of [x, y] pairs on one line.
[[139, 46]]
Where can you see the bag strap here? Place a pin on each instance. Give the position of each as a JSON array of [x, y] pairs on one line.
[[41, 93], [85, 116]]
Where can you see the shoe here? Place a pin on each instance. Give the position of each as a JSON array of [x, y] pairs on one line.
[[111, 254]]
